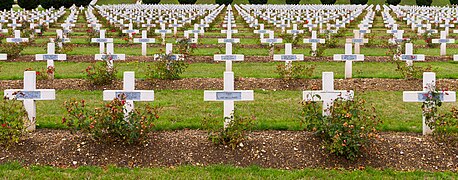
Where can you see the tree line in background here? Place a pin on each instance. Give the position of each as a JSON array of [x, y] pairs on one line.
[[46, 4]]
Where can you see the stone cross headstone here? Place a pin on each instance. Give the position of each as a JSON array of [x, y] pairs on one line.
[[261, 31], [409, 57], [314, 40], [29, 95], [129, 93], [131, 30], [144, 40], [429, 81], [102, 40], [443, 41], [271, 39], [110, 56], [163, 32], [288, 57], [50, 57], [17, 38], [357, 40], [328, 95], [348, 57]]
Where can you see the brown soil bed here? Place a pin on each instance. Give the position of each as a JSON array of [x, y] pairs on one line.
[[274, 149], [209, 59], [241, 83]]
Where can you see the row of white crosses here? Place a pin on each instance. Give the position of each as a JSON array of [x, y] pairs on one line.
[[228, 95]]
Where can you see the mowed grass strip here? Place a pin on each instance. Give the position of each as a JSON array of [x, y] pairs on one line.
[[65, 70], [16, 171], [274, 110]]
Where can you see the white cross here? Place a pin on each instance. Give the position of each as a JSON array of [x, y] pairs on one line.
[[110, 56], [102, 40], [357, 40], [51, 56], [228, 57], [62, 39], [328, 95], [29, 95], [203, 25], [148, 24], [175, 26], [131, 30], [429, 81], [295, 31], [348, 57], [144, 40], [196, 32], [163, 31], [261, 31], [129, 93], [17, 37], [314, 40], [288, 57], [443, 41], [409, 57], [271, 39], [229, 38], [14, 25]]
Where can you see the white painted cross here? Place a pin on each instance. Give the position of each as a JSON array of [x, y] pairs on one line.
[[169, 53], [61, 38], [144, 40], [228, 57], [129, 93], [295, 31], [175, 26], [163, 31], [148, 24], [357, 40], [288, 57], [50, 57], [14, 24], [429, 84], [409, 57], [110, 56], [443, 41], [17, 38], [261, 31], [196, 32], [314, 40], [348, 57], [271, 39], [29, 95], [328, 95], [102, 40], [131, 30]]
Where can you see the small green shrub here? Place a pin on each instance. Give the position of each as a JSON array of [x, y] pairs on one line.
[[295, 71], [28, 4], [109, 123], [13, 49], [424, 2], [234, 134], [13, 118], [6, 4], [257, 1], [167, 68], [393, 2], [99, 73], [348, 128]]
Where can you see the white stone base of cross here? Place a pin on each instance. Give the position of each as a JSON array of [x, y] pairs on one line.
[[328, 95], [348, 57], [228, 96], [429, 80], [129, 93], [29, 95]]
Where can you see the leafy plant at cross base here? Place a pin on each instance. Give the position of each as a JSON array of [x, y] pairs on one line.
[[430, 105], [167, 67], [13, 49], [44, 74], [347, 129], [295, 71], [427, 37], [235, 133], [99, 73], [109, 122], [13, 121], [91, 33], [291, 38]]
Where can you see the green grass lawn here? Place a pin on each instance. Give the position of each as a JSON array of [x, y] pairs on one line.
[[16, 171], [65, 70], [279, 110]]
